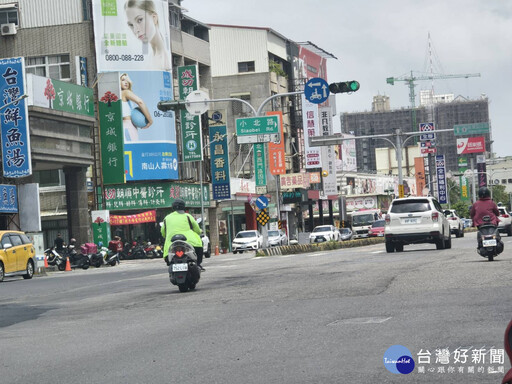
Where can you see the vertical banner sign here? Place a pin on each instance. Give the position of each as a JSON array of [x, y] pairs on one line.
[[259, 165], [81, 71], [219, 162], [481, 168], [111, 129], [463, 181], [101, 226], [419, 172], [276, 151], [16, 160], [441, 179], [330, 187], [192, 140], [8, 199], [132, 35], [310, 126]]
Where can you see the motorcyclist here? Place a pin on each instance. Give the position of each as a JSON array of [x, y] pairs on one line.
[[180, 223], [484, 206]]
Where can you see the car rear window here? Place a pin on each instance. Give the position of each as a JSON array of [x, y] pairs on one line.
[[409, 206], [379, 223], [243, 235]]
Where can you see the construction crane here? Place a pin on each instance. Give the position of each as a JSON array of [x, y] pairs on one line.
[[411, 79]]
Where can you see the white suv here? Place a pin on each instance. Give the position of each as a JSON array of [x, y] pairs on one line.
[[505, 221], [456, 223], [323, 233], [414, 220]]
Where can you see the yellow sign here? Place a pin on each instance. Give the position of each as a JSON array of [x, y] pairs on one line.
[[401, 191]]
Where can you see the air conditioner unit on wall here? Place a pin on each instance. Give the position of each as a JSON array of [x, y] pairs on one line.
[[8, 29]]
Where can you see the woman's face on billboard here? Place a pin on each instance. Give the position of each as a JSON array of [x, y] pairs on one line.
[[143, 24]]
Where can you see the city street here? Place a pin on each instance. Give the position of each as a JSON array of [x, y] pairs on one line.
[[327, 317]]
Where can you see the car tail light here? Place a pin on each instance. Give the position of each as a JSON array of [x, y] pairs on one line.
[[387, 218], [435, 216], [452, 218], [505, 216]]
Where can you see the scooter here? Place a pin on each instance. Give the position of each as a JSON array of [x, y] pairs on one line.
[[104, 257], [183, 269], [55, 258], [489, 240], [77, 260]]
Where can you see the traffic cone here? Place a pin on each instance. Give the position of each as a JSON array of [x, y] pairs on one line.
[[216, 250], [45, 262], [68, 265]]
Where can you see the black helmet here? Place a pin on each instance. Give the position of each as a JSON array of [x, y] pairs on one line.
[[178, 238], [484, 192], [178, 205]]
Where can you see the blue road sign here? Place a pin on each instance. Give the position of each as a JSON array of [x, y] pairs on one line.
[[262, 202], [316, 90]]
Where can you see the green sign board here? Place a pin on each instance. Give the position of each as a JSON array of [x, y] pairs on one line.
[[462, 161], [259, 164], [191, 138], [257, 125], [470, 129], [100, 227], [464, 185], [154, 195], [111, 129]]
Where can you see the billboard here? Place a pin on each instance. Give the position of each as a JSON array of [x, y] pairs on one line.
[[311, 128], [470, 145], [132, 35], [219, 160], [276, 151]]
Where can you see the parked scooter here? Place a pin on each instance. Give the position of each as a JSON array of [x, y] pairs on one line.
[[104, 256], [183, 269], [137, 251], [76, 260], [55, 258], [489, 240]]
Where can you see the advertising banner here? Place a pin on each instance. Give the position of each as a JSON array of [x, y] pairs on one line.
[[442, 189], [464, 186], [276, 151], [470, 145], [294, 180], [481, 168], [192, 140], [132, 35], [111, 129], [329, 184], [154, 195], [310, 123], [419, 169], [260, 170], [139, 218], [101, 226], [60, 95], [348, 155], [219, 162], [16, 157], [8, 199], [150, 149]]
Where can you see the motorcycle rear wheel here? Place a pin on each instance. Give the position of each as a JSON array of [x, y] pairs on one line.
[[491, 257], [61, 266], [183, 287]]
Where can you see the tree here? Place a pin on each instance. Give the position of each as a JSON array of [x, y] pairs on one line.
[[461, 208], [499, 195]]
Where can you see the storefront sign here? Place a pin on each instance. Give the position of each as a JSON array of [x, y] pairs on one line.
[[139, 218], [155, 195], [329, 184], [471, 145], [291, 197], [295, 180], [8, 199], [101, 226], [442, 190], [310, 124], [60, 95], [276, 151], [192, 140], [16, 158], [219, 162]]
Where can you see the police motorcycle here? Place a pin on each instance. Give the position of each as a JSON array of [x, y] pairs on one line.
[[182, 261], [489, 239]]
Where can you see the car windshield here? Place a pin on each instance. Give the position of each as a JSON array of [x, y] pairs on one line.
[[345, 231], [244, 235], [409, 206], [378, 224], [322, 229], [273, 233], [365, 219]]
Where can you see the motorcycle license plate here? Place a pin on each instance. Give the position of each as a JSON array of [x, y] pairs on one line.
[[489, 243], [182, 267]]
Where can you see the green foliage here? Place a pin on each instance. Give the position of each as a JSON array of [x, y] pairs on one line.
[[461, 208], [499, 195], [275, 67], [224, 241]]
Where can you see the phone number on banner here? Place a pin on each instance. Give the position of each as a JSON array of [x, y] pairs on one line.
[[124, 57]]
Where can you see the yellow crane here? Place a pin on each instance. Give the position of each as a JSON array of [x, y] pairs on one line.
[[412, 78]]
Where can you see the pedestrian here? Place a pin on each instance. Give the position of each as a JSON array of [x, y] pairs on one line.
[[59, 242], [181, 223]]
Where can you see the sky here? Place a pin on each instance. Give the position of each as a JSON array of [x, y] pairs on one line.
[[376, 39]]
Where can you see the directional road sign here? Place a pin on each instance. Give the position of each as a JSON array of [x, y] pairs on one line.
[[263, 217], [470, 129], [316, 90], [262, 202], [261, 125], [273, 137]]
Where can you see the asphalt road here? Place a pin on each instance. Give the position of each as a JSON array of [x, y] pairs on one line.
[[327, 317]]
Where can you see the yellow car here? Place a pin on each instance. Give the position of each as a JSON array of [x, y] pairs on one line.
[[17, 255]]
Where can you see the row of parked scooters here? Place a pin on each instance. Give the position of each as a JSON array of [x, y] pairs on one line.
[[90, 255]]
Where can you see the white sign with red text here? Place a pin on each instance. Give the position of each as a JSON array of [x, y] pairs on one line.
[[470, 145]]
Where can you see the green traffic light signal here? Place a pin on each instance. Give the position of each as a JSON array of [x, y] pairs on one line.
[[344, 87]]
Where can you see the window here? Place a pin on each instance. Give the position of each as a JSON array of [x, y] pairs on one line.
[[8, 15], [55, 66], [245, 66], [240, 108], [503, 181], [15, 239], [49, 178]]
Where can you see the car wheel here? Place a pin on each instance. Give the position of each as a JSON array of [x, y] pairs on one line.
[[2, 272], [30, 270], [509, 231], [234, 252], [440, 243], [390, 247], [448, 243], [462, 232]]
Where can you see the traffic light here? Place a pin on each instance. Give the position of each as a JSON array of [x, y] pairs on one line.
[[344, 87], [171, 105]]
